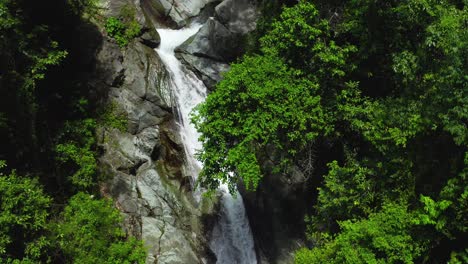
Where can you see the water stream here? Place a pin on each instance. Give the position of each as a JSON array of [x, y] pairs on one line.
[[232, 240]]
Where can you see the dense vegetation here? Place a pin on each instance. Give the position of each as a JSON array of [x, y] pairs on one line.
[[377, 90], [368, 98], [50, 207]]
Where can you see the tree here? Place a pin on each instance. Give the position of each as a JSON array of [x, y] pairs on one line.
[[90, 231], [75, 152], [261, 102], [272, 100], [385, 237], [389, 80], [23, 220]]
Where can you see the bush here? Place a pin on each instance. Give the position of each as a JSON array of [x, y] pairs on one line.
[[76, 154], [112, 116], [123, 28], [24, 212], [90, 232]]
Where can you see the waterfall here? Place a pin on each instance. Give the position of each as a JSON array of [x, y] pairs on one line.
[[232, 240]]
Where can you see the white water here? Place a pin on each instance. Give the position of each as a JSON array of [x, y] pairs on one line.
[[232, 240]]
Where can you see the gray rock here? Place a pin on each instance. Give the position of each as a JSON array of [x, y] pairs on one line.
[[213, 41], [146, 162], [218, 43], [208, 52], [180, 10], [113, 8], [150, 39], [239, 16], [209, 71], [276, 213], [111, 72], [146, 76], [165, 230]]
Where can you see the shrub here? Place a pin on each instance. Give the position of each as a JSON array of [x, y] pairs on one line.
[[90, 232], [123, 28]]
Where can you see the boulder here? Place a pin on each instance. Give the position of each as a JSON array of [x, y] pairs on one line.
[[239, 16], [219, 41], [149, 40], [209, 51], [179, 11], [213, 41], [209, 71]]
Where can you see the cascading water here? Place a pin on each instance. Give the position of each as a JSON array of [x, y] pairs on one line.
[[188, 90], [232, 240]]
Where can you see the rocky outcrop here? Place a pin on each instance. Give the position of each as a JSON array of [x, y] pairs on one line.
[[208, 70], [213, 41], [145, 163], [220, 40], [177, 11], [279, 205], [239, 16]]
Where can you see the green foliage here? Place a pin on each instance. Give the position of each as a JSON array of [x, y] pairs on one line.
[[123, 28], [303, 40], [89, 8], [113, 117], [76, 154], [459, 257], [23, 219], [271, 100], [384, 237], [347, 192], [260, 103], [90, 232], [41, 77], [380, 88], [448, 213], [423, 93], [3, 121], [27, 53]]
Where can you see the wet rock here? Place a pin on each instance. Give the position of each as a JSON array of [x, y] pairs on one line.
[[213, 41], [209, 71], [219, 41], [145, 162], [150, 39]]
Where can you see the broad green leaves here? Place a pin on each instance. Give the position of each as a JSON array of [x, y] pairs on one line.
[[272, 100], [385, 237], [90, 232], [260, 102], [23, 217], [76, 152]]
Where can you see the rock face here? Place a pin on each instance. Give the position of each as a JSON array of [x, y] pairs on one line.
[[277, 208], [213, 41], [239, 16], [220, 40], [145, 163], [276, 212], [179, 11]]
